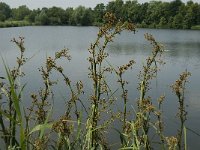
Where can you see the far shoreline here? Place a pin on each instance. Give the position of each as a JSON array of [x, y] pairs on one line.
[[13, 24]]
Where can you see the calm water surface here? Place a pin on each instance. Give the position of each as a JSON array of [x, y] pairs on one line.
[[182, 51]]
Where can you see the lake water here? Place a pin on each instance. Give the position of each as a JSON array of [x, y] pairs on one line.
[[182, 51]]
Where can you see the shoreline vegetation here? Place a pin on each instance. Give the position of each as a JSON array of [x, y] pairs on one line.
[[153, 14], [83, 127]]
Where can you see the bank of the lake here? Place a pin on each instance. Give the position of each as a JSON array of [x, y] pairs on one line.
[[154, 14], [10, 24]]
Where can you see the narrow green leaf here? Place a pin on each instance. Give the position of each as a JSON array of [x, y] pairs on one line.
[[185, 137], [16, 99], [41, 127], [122, 137], [8, 116], [45, 123]]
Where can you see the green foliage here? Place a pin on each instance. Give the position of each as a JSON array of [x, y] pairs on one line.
[[174, 7], [162, 23], [132, 11], [31, 17], [99, 12], [153, 14], [116, 8], [82, 16], [20, 13], [55, 15], [42, 18], [5, 11], [2, 17], [68, 16], [178, 21]]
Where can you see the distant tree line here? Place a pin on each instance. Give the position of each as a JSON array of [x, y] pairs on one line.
[[153, 14]]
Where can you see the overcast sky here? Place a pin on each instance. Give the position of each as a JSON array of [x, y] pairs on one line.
[[32, 4]]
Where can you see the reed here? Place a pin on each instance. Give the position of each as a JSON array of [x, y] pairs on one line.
[[34, 127], [179, 89]]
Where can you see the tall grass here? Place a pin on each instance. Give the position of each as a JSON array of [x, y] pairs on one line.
[[34, 128], [7, 24], [197, 27]]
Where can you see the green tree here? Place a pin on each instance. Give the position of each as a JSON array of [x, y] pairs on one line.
[[178, 21], [116, 7], [132, 11], [69, 16], [143, 11], [99, 12], [32, 15], [82, 16], [163, 23], [174, 7], [198, 15], [195, 11], [2, 17], [56, 15], [21, 12], [78, 15], [170, 22], [5, 11], [191, 14], [65, 18], [155, 11], [188, 20], [87, 17], [42, 18]]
